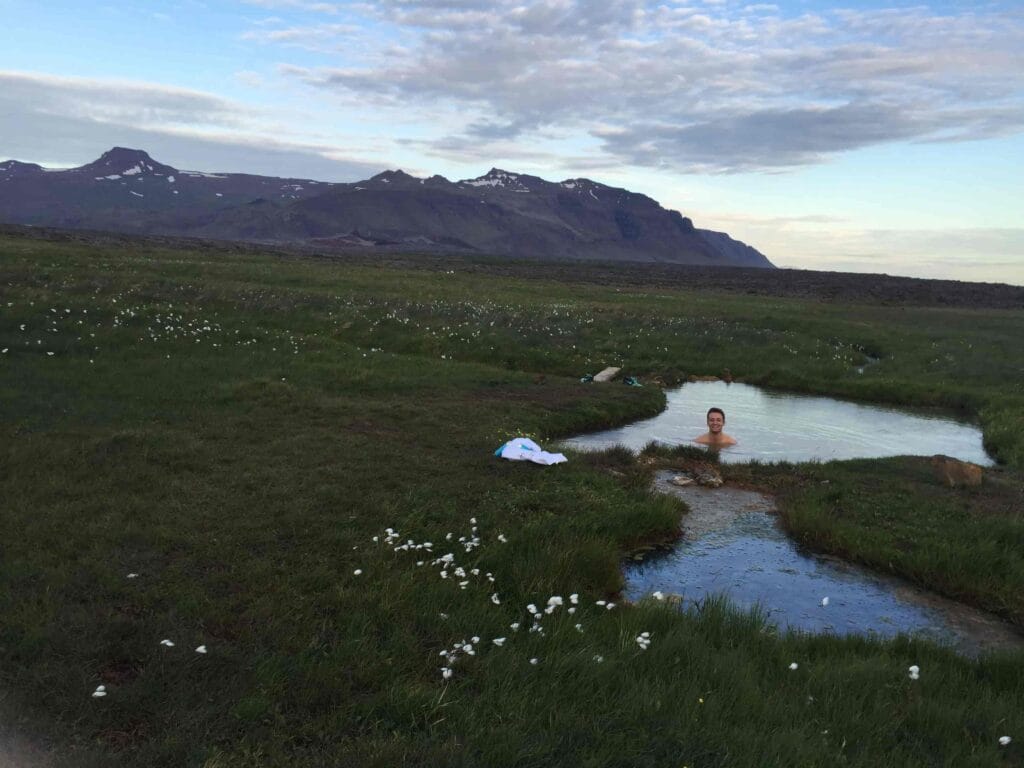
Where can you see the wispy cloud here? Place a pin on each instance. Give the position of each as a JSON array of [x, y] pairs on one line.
[[321, 37], [300, 5], [78, 118], [716, 88]]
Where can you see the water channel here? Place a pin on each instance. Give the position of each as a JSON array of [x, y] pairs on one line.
[[732, 543]]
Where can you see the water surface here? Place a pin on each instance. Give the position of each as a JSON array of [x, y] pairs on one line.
[[733, 546], [778, 426]]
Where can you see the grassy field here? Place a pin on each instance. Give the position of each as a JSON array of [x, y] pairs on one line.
[[289, 462]]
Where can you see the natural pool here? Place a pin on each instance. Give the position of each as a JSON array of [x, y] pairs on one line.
[[732, 545], [778, 426]]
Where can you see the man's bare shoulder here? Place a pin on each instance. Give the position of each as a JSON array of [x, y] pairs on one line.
[[720, 440]]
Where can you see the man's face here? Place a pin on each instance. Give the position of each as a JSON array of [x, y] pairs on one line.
[[715, 423]]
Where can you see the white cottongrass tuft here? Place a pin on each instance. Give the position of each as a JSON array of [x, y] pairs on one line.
[[201, 649], [644, 640], [914, 672], [658, 595], [1003, 740], [514, 626], [446, 672], [499, 641], [101, 691], [598, 658], [794, 666], [495, 600], [824, 602], [535, 661], [167, 643], [132, 576], [357, 572]]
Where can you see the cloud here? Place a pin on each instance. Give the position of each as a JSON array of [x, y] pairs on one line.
[[321, 37], [300, 5], [725, 88], [70, 121]]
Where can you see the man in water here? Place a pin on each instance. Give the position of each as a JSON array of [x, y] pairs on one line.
[[715, 436]]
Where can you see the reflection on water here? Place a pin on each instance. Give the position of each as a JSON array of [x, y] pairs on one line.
[[732, 546], [773, 426]]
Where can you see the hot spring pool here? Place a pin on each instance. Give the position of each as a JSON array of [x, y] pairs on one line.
[[776, 426], [733, 546]]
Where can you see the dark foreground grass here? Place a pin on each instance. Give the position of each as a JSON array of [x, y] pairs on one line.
[[242, 432]]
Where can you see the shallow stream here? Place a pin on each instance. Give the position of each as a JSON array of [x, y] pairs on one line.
[[733, 545]]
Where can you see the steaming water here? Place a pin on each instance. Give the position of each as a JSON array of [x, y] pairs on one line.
[[775, 426]]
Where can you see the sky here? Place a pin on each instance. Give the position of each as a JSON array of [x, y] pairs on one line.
[[870, 136]]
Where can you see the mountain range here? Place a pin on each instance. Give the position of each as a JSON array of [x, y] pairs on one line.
[[501, 213]]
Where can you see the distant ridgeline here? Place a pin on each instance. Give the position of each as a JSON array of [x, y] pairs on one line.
[[500, 213]]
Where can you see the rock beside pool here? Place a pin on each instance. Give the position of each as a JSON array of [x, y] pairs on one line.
[[955, 473], [710, 478]]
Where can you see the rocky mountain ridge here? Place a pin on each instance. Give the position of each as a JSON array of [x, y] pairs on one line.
[[499, 213]]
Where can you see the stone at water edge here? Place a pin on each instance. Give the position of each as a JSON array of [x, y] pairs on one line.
[[954, 473], [710, 478], [682, 480]]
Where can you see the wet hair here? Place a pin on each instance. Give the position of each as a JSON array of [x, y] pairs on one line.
[[715, 410]]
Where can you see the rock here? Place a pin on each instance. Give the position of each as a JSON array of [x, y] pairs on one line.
[[682, 480], [954, 473], [607, 374], [710, 478]]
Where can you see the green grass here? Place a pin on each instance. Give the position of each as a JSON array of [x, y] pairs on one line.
[[237, 430]]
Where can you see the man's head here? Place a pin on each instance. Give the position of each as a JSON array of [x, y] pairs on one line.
[[716, 420]]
